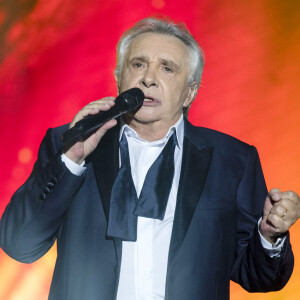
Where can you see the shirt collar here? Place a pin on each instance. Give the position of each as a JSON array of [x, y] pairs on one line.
[[177, 128]]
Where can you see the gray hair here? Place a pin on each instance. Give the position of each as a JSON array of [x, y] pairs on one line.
[[168, 27]]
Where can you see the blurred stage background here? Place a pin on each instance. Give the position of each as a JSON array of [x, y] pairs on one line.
[[56, 56]]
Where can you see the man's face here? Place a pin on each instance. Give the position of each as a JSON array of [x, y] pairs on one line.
[[158, 64]]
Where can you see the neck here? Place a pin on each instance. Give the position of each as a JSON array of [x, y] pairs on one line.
[[151, 131]]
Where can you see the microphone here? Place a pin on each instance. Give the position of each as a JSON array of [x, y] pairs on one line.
[[127, 101]]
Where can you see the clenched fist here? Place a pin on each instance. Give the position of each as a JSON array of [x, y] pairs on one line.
[[281, 211]]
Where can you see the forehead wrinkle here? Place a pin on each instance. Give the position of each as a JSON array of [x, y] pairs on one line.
[[147, 39]]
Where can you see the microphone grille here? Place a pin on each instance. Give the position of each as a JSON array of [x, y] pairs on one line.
[[134, 98]]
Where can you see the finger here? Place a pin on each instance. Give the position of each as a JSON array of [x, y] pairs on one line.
[[291, 196], [99, 105], [279, 210], [286, 203], [111, 123], [93, 108], [105, 99], [289, 216], [279, 225], [274, 195], [102, 130]]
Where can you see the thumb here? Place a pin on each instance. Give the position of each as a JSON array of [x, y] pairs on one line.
[[273, 196]]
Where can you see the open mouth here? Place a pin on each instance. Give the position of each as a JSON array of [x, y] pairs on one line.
[[148, 99]]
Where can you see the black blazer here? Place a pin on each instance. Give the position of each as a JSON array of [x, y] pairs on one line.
[[214, 239]]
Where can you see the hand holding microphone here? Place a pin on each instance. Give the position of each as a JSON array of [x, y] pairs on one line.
[[92, 122]]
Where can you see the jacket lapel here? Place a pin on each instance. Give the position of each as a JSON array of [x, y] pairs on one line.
[[194, 170], [105, 161]]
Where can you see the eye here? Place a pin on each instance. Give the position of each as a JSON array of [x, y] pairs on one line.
[[137, 65], [167, 69]]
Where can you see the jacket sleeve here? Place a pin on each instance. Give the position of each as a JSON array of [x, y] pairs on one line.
[[254, 269], [31, 221]]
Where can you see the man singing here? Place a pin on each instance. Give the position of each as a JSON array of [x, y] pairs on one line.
[[150, 207]]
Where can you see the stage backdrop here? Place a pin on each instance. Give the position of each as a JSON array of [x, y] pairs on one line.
[[56, 56]]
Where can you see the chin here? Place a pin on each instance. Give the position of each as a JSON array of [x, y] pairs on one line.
[[143, 116]]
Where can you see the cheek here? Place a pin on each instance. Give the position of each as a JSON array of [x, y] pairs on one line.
[[127, 78], [179, 96], [126, 85]]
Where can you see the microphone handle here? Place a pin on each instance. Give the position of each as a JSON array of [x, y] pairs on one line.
[[92, 122]]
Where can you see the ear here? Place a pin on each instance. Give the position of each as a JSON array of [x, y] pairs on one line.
[[191, 94], [117, 79], [118, 85]]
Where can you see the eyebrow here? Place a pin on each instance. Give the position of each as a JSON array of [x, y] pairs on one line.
[[139, 58], [169, 62], [163, 61]]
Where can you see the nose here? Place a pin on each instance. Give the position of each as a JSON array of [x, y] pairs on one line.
[[149, 77]]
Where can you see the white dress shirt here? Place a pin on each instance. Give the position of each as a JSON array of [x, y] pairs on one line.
[[144, 262]]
